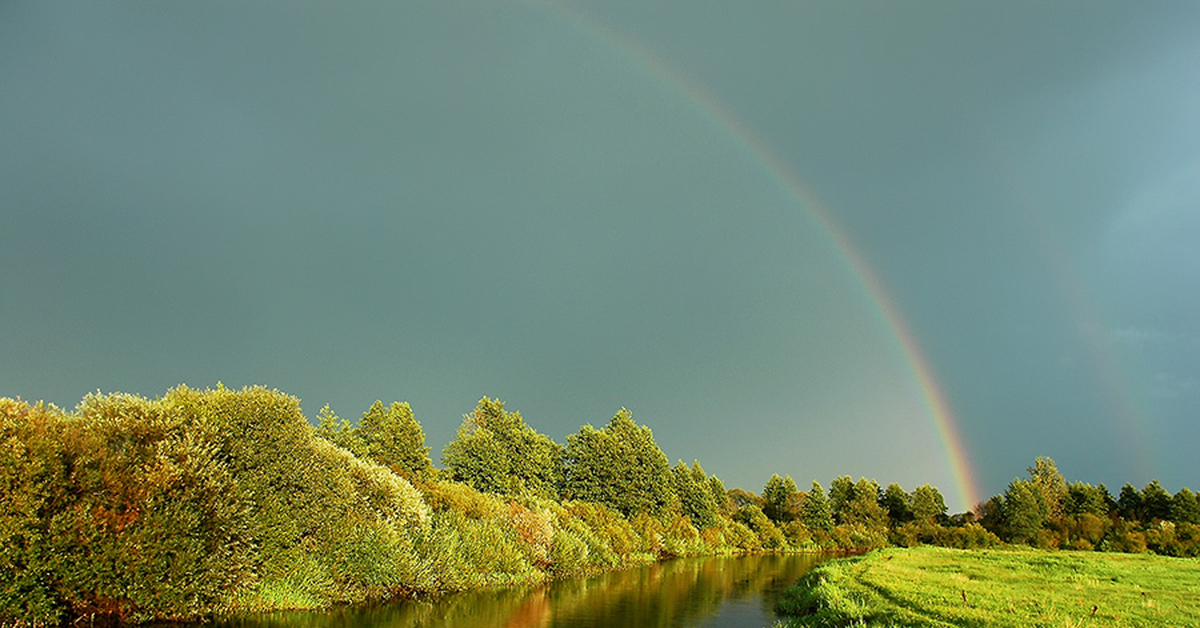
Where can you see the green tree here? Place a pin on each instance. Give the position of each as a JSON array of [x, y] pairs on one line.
[[1086, 499], [1156, 502], [778, 498], [927, 503], [1049, 483], [495, 451], [1024, 512], [394, 439], [340, 432], [895, 502], [841, 493], [619, 466], [1185, 508], [863, 508], [695, 500], [815, 513], [720, 496], [1129, 503]]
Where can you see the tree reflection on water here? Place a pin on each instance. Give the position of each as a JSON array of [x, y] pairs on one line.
[[717, 592]]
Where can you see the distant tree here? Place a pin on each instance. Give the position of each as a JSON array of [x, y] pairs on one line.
[[340, 432], [1049, 483], [495, 451], [990, 515], [1156, 502], [1185, 508], [769, 535], [1084, 498], [1129, 504], [1025, 512], [695, 500], [720, 496], [816, 513], [895, 502], [927, 503], [841, 493], [394, 439], [863, 508], [619, 466], [777, 498], [742, 498]]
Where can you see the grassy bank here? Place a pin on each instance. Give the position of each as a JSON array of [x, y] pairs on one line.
[[941, 587]]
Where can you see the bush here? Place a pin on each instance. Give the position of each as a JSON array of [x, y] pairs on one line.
[[135, 515], [608, 525]]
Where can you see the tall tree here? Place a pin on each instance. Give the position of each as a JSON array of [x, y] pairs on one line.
[[1024, 512], [841, 493], [695, 500], [1129, 503], [863, 508], [927, 503], [1086, 499], [777, 498], [619, 465], [393, 438], [1049, 483], [1185, 507], [895, 502], [495, 451], [815, 513], [720, 496], [1156, 502]]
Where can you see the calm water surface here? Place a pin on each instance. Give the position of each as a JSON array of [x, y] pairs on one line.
[[738, 592]]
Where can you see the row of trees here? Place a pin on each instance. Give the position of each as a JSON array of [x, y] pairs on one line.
[[621, 467], [1044, 510], [224, 501]]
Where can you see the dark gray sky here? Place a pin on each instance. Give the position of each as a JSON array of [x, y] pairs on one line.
[[433, 202]]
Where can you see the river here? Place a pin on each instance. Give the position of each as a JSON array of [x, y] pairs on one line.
[[720, 592]]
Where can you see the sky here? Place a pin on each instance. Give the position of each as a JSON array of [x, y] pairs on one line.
[[920, 242]]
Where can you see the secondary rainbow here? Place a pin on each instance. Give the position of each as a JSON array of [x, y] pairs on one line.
[[708, 107]]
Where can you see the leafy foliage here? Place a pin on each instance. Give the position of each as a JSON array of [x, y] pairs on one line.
[[695, 498], [816, 513], [495, 451], [619, 466]]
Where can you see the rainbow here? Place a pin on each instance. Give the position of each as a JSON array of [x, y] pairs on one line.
[[889, 315], [1101, 356]]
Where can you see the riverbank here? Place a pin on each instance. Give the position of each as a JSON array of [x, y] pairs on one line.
[[1017, 588], [207, 502]]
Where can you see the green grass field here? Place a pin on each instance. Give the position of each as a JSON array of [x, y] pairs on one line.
[[929, 586]]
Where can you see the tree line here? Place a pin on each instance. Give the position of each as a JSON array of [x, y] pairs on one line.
[[1044, 510], [219, 500]]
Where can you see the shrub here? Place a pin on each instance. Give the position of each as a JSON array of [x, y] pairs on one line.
[[137, 518]]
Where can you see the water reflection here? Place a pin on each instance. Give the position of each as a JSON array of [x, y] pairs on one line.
[[707, 592]]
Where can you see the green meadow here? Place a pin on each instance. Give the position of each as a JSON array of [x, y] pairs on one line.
[[929, 586]]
